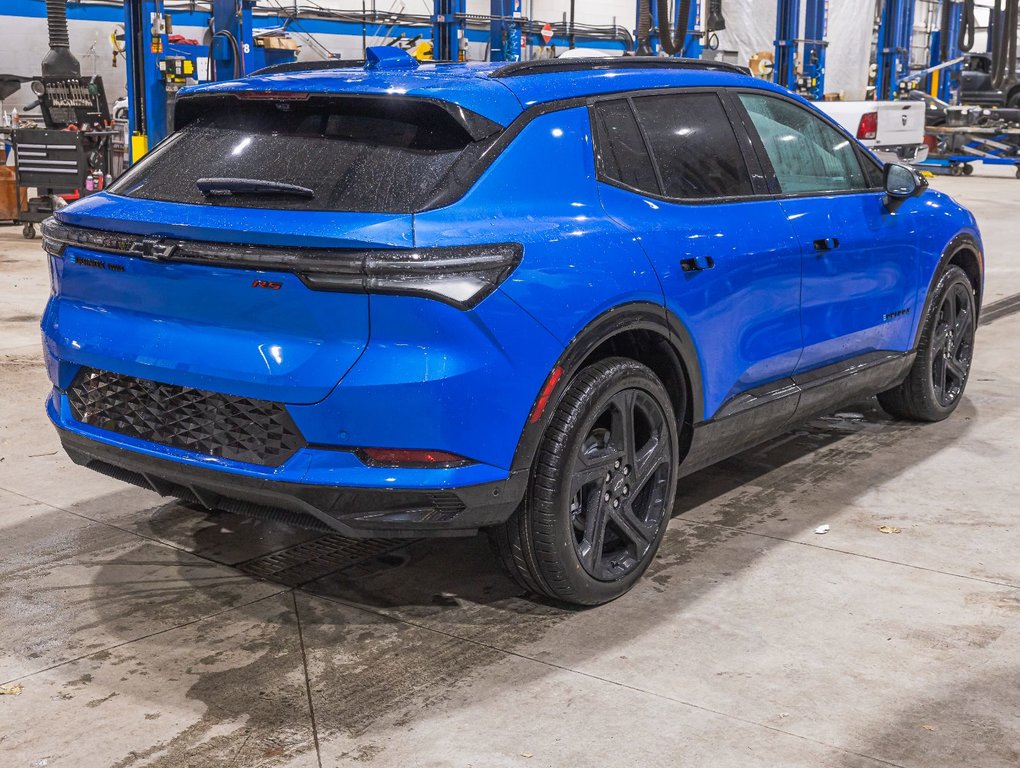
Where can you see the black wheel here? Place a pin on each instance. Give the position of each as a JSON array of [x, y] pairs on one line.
[[956, 169], [935, 384], [28, 231], [968, 169], [601, 490], [1018, 171]]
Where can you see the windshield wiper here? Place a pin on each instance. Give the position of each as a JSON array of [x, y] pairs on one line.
[[215, 187]]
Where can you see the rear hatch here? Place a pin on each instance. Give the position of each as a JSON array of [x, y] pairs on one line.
[[201, 284], [900, 123]]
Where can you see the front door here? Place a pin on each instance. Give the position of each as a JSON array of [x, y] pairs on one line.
[[859, 255]]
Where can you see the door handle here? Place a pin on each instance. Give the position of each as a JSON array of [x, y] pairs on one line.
[[827, 244], [697, 263]]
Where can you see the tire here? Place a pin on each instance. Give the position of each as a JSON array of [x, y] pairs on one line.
[[597, 503], [936, 382], [968, 169]]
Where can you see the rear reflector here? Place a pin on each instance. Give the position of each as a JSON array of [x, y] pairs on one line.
[[868, 128], [545, 394], [409, 458]]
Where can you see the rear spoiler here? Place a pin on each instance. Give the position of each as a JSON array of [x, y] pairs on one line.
[[189, 107]]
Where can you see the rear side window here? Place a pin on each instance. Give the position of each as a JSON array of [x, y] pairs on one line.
[[808, 155], [622, 155], [693, 145], [371, 154]]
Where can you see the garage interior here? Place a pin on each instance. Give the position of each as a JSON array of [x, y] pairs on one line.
[[845, 595]]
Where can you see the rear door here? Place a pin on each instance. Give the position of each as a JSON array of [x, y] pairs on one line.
[[859, 255], [674, 172]]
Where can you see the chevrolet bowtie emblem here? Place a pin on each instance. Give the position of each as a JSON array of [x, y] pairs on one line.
[[153, 249]]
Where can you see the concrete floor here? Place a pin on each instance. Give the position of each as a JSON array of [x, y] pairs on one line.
[[147, 633]]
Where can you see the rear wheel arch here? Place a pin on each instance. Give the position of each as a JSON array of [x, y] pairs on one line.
[[640, 331]]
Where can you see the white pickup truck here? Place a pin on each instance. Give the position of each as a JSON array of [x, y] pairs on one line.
[[894, 130]]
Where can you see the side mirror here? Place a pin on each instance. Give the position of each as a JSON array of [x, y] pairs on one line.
[[902, 181]]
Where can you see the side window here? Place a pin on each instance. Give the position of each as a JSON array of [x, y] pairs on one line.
[[807, 154], [622, 155], [693, 145]]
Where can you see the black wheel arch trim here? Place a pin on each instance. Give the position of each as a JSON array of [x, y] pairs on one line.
[[964, 241], [634, 316]]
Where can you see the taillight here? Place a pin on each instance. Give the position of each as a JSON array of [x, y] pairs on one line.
[[459, 275], [868, 128], [411, 458]]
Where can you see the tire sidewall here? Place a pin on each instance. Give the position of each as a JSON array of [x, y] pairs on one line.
[[926, 353]]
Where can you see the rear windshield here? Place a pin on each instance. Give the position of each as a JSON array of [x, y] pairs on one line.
[[372, 154]]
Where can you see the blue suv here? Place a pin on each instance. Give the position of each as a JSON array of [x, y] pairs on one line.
[[405, 300]]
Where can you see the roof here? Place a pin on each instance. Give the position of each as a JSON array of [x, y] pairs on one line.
[[482, 87]]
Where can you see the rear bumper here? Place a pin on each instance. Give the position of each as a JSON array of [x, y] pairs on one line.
[[904, 153], [354, 512]]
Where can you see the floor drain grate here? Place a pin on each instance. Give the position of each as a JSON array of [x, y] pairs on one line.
[[320, 557]]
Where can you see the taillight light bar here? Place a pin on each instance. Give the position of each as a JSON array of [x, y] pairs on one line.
[[460, 275]]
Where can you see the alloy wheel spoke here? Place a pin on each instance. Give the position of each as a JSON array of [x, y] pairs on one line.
[[649, 459], [595, 522], [630, 526], [939, 373], [941, 336], [592, 473], [962, 332], [949, 311], [958, 371], [623, 424]]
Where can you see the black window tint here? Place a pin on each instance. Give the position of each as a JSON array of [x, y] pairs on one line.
[[694, 145], [873, 171], [621, 150], [807, 154], [355, 153]]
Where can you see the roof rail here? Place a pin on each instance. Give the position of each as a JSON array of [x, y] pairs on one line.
[[307, 66], [547, 66]]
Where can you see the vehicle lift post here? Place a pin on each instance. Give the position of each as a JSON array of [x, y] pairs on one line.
[[448, 30], [505, 30], [895, 35], [232, 19], [810, 81], [692, 41], [943, 81], [145, 40], [149, 80]]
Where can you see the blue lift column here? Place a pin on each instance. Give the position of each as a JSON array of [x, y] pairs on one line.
[[505, 30], [784, 71], [448, 26], [815, 31], [944, 80], [809, 81], [145, 46], [232, 42], [895, 35]]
